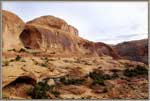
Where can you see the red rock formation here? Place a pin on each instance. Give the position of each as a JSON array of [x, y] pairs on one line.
[[134, 50], [54, 22], [12, 27], [49, 33], [48, 39]]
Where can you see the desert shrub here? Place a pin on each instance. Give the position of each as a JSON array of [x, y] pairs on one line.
[[86, 63], [68, 81], [18, 58], [139, 70], [12, 50], [45, 59], [54, 91], [44, 64], [100, 77], [22, 50], [41, 90]]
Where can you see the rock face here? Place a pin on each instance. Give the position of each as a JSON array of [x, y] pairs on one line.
[[54, 22], [134, 50], [49, 33], [48, 39], [12, 27]]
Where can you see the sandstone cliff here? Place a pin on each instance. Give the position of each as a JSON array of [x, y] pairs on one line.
[[12, 27], [52, 34]]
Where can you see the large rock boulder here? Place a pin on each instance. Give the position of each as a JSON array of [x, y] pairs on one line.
[[134, 50], [48, 39], [12, 26], [54, 22]]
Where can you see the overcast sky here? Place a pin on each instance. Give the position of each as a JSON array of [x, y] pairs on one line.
[[109, 22]]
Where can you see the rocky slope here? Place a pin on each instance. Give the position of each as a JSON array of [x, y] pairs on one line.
[[134, 50], [55, 63], [12, 27]]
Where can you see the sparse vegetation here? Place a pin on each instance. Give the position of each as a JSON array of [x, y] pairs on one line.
[[33, 53], [54, 91], [45, 59], [18, 58], [43, 64], [68, 61], [12, 60], [22, 50], [99, 77], [35, 62], [12, 50], [41, 90], [139, 70], [69, 81], [86, 63]]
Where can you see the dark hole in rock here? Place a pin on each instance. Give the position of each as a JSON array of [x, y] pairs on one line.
[[23, 79]]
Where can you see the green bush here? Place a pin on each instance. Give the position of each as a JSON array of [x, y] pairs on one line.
[[68, 81], [44, 65], [18, 58], [22, 50], [55, 93], [12, 50], [100, 77], [39, 91], [139, 70]]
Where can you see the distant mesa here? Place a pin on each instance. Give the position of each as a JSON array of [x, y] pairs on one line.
[[134, 50]]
